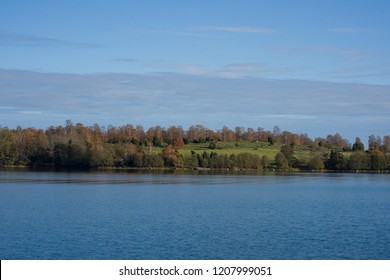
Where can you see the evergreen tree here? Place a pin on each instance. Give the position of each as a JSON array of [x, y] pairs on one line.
[[336, 161], [358, 145]]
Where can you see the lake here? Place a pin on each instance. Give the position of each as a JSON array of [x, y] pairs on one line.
[[130, 215]]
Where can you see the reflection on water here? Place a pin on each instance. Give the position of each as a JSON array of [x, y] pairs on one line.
[[137, 177], [184, 215]]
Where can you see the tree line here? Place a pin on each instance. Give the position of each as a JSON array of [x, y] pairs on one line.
[[79, 146], [373, 159]]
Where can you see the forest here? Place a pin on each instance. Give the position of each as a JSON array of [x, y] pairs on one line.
[[75, 146]]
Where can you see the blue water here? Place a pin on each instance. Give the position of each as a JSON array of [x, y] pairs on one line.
[[59, 215]]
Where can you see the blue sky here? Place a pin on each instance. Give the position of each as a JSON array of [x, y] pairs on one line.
[[316, 67]]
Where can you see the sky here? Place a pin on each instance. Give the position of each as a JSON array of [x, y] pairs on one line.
[[315, 67]]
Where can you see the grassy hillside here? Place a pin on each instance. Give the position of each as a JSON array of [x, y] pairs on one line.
[[229, 148]]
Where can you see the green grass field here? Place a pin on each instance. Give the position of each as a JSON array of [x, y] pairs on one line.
[[302, 153], [229, 148]]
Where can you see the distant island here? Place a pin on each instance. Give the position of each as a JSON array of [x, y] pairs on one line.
[[76, 146]]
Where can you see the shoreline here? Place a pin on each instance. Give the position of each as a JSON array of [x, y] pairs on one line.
[[199, 170]]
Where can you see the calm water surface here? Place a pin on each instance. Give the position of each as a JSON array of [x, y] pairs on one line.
[[59, 215]]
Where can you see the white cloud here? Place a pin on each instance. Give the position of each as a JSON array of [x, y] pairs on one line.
[[126, 60], [231, 71], [349, 55], [338, 51], [244, 69], [21, 39], [31, 112], [200, 31], [350, 30], [177, 32], [44, 99], [189, 69], [241, 29], [289, 116]]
